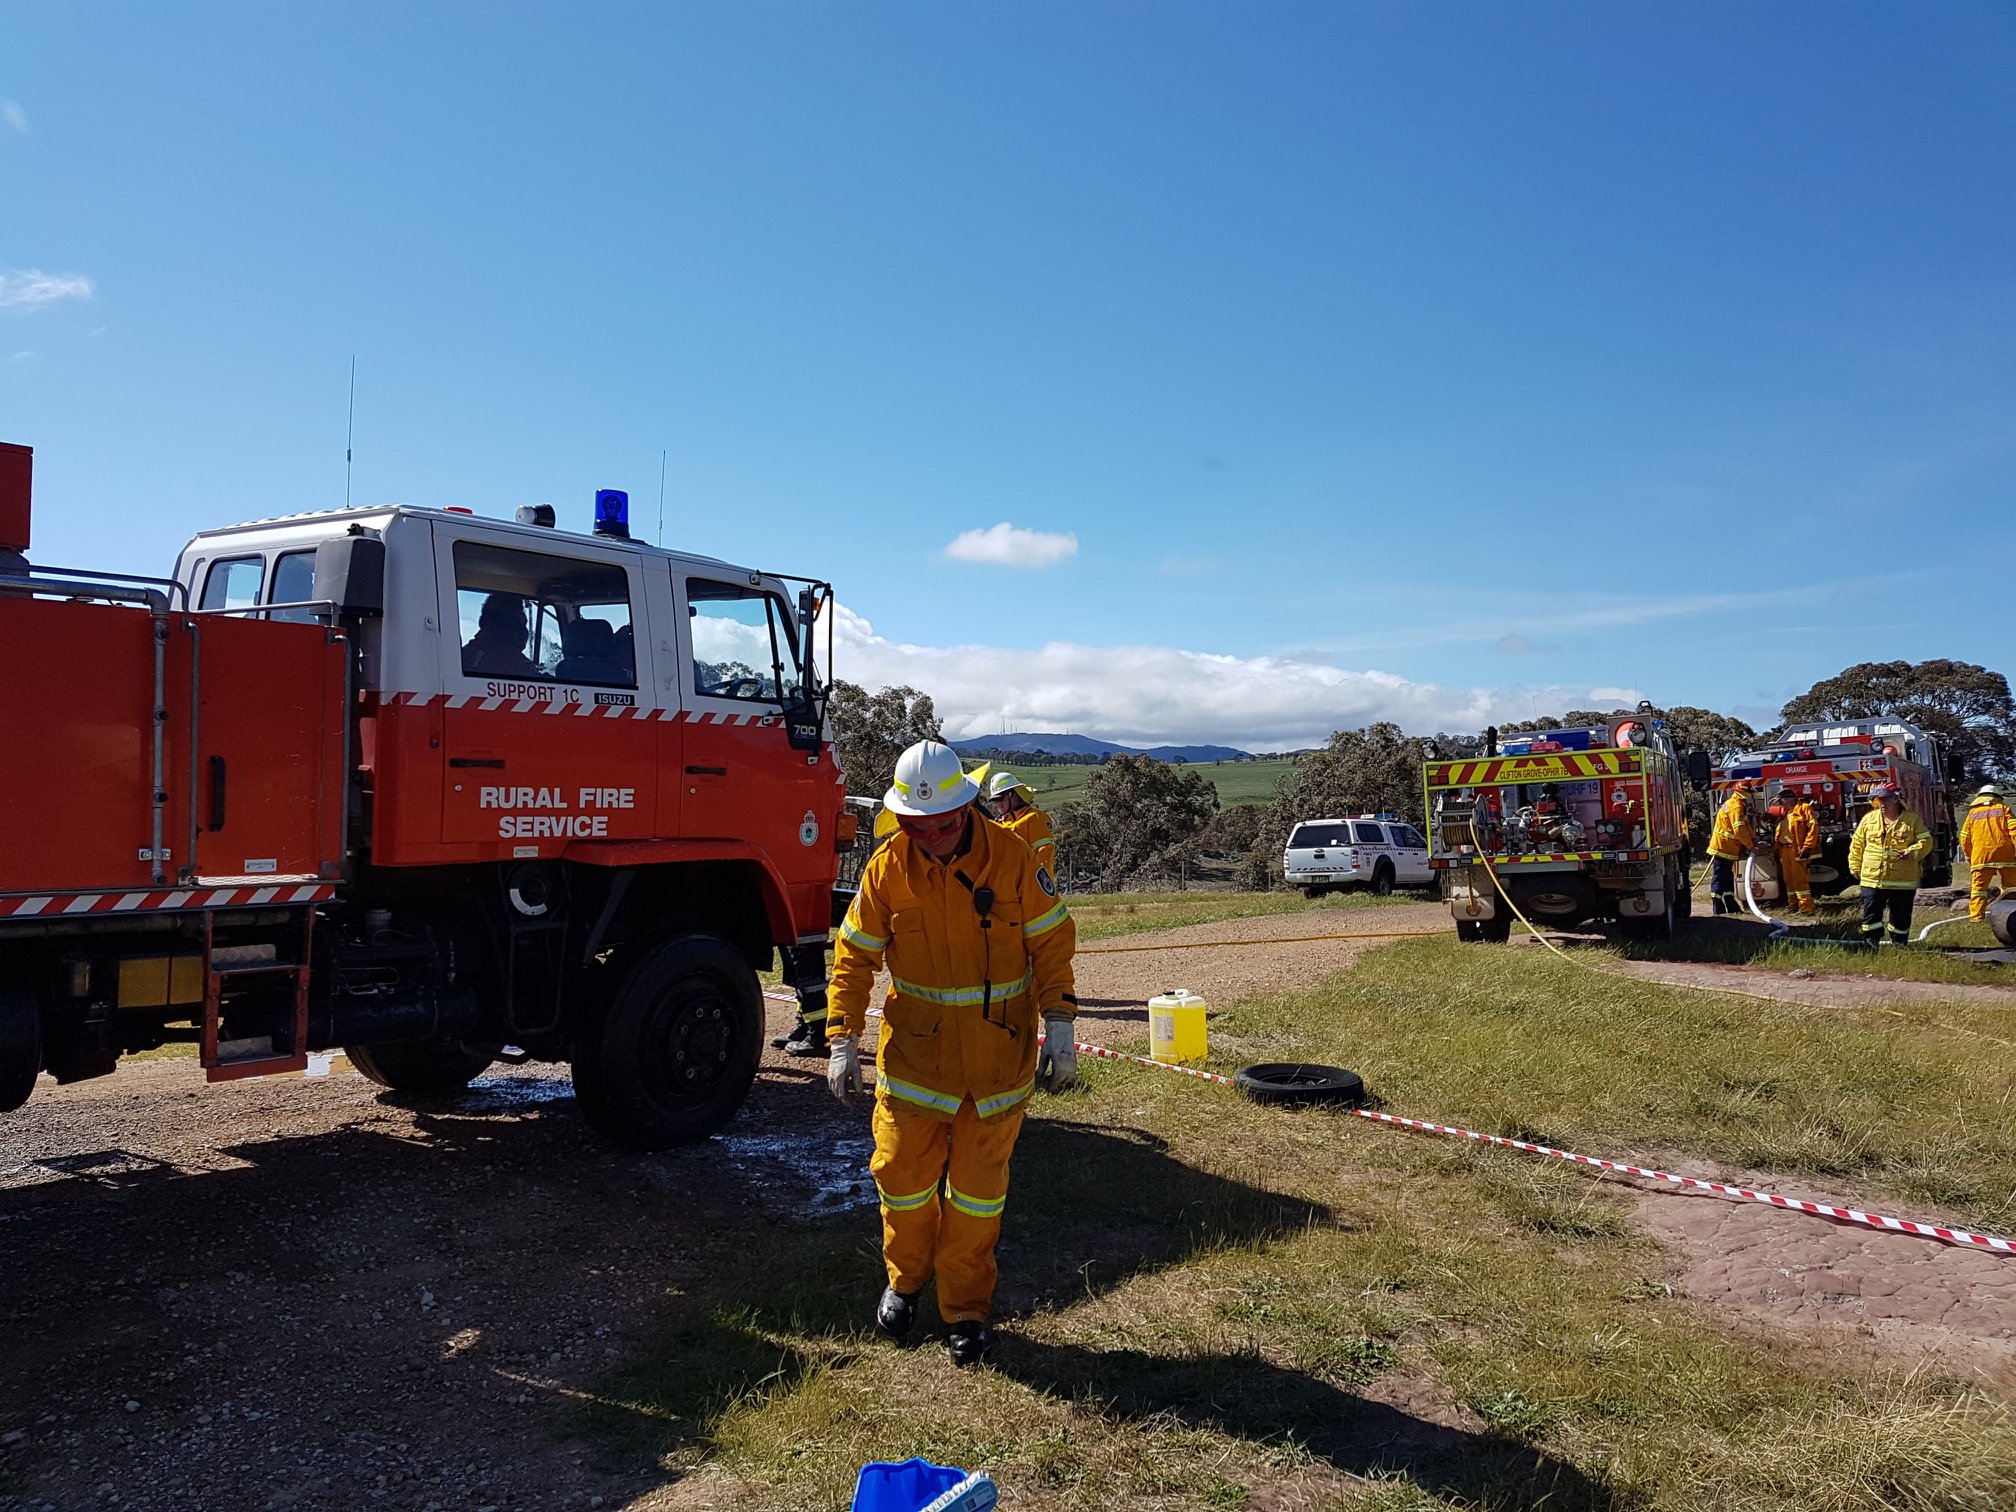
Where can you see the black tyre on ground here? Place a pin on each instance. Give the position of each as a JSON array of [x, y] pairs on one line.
[[1314, 892], [1666, 923], [672, 1056], [1469, 931], [1495, 931], [20, 1048], [1290, 1083], [421, 1066], [1382, 879]]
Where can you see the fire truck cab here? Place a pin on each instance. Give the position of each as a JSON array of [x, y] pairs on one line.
[[436, 789]]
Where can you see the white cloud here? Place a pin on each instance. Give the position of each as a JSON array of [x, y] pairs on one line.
[[31, 288], [12, 113], [1008, 545], [1518, 645], [1151, 695]]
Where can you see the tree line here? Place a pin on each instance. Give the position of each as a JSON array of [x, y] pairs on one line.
[[1140, 818]]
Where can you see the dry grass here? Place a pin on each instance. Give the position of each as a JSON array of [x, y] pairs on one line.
[[1213, 1304], [1100, 916]]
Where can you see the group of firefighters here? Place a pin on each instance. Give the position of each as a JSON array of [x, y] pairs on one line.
[[960, 908], [1886, 854]]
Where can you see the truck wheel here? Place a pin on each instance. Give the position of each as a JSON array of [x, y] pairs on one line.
[[1469, 931], [420, 1066], [673, 1055], [20, 1048], [1661, 926], [1494, 931], [1382, 880]]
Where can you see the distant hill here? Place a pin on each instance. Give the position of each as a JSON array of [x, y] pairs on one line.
[[1086, 745]]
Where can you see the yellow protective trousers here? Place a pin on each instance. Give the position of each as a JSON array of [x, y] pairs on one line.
[[1988, 877], [950, 1235], [1796, 877]]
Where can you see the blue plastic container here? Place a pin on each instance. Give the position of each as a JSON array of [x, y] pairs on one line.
[[902, 1486]]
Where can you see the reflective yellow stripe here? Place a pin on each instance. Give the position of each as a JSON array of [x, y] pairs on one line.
[[924, 1097], [860, 937], [977, 1207], [1044, 923], [961, 997], [1001, 1102], [1046, 840], [902, 1204]]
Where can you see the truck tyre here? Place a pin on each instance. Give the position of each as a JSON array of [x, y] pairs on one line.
[[1469, 931], [420, 1067], [1382, 880], [1292, 1084], [1660, 926], [20, 1048], [1495, 931], [672, 1056]]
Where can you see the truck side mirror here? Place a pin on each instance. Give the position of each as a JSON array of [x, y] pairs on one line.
[[350, 573], [1697, 771]]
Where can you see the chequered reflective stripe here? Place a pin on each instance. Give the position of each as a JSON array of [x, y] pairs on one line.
[[860, 938], [1042, 924], [962, 997], [1001, 1102], [585, 709], [898, 1202], [924, 1097], [49, 905], [975, 1207]]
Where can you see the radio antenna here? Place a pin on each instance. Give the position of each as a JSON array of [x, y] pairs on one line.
[[350, 430], [661, 494]]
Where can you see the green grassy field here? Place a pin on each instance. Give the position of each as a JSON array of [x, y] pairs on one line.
[[1209, 1304], [1237, 781]]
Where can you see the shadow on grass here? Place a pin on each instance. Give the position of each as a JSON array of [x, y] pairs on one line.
[[1247, 1397], [1089, 1209]]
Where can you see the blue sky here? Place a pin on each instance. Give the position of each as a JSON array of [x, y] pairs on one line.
[[1326, 362]]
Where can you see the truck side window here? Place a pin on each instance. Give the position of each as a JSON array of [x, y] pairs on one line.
[[233, 583], [293, 583], [742, 639], [525, 615]]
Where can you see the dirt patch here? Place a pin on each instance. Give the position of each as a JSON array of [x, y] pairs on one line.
[[1837, 1285], [1821, 988], [302, 1293], [1117, 976]]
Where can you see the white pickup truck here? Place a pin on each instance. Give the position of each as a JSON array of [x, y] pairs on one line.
[[1379, 851]]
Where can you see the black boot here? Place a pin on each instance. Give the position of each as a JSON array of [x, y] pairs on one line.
[[968, 1342], [895, 1313], [808, 1039]]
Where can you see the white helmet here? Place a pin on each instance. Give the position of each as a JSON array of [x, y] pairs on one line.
[[929, 780], [1005, 782]]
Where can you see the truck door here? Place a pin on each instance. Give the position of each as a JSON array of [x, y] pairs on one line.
[[740, 776], [547, 731]]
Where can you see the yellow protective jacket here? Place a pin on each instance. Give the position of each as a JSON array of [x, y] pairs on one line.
[[1889, 855], [1799, 832], [1733, 834], [1986, 834], [1032, 827], [965, 1001]]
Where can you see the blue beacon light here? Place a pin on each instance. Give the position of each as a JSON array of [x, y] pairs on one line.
[[612, 513]]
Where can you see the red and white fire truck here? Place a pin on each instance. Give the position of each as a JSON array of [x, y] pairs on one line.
[[436, 789], [1835, 765], [1569, 824]]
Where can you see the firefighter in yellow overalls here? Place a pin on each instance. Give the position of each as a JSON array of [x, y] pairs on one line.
[[978, 950], [1988, 839], [1797, 837], [1015, 806]]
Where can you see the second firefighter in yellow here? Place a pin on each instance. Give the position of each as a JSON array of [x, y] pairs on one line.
[[1988, 838], [1015, 807], [1797, 837], [978, 949], [1730, 842]]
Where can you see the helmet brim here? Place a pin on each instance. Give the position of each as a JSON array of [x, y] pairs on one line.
[[957, 797]]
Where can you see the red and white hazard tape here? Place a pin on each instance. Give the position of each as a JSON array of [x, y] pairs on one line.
[[1719, 1188]]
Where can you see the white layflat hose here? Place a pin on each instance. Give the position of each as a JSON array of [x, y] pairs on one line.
[[1781, 929]]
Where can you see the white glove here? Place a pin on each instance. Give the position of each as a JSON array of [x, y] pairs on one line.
[[1057, 1067], [843, 1067]]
